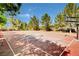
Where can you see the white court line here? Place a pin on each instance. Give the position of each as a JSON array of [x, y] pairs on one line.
[[42, 50], [66, 47], [29, 43], [37, 47], [10, 46]]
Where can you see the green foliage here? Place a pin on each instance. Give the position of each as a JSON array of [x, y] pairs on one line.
[[46, 21], [15, 23], [33, 23], [3, 21], [70, 10], [23, 26], [30, 25], [9, 8], [18, 25], [59, 21]]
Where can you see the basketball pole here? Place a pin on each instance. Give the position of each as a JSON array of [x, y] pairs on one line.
[[77, 31]]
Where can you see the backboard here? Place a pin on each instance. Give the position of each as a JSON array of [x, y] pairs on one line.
[[72, 19]]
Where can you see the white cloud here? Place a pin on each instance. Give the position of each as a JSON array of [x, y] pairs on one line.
[[25, 15]]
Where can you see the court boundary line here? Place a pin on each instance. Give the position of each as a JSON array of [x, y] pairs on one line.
[[67, 47], [9, 44], [29, 43], [38, 47]]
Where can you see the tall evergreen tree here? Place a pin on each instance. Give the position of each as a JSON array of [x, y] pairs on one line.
[[15, 24], [34, 23], [46, 21], [23, 26], [59, 21]]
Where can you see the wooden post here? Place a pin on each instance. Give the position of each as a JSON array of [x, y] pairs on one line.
[[77, 31]]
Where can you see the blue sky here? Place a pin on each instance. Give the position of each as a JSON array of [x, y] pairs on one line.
[[39, 9]]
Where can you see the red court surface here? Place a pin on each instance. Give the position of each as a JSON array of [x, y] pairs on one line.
[[40, 43], [73, 49], [4, 49]]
